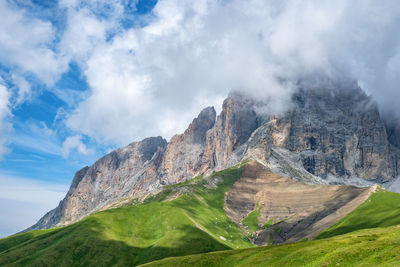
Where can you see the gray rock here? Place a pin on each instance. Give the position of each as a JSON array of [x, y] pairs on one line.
[[183, 158]]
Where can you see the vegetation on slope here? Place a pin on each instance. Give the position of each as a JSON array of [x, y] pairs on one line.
[[251, 221], [369, 247], [381, 209], [194, 221]]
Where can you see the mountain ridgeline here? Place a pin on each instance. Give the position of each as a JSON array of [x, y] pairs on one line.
[[331, 134]]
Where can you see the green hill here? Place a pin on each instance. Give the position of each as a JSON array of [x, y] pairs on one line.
[[194, 221], [371, 247], [381, 209]]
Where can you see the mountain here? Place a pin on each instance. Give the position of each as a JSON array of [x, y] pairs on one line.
[[332, 133]]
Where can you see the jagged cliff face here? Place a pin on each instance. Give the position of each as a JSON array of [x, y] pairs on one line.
[[226, 141], [331, 134], [183, 158], [337, 132]]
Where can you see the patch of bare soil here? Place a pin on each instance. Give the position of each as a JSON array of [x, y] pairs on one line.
[[290, 211]]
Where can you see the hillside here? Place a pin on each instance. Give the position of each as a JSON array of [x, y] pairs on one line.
[[368, 236], [382, 209], [193, 221], [370, 247]]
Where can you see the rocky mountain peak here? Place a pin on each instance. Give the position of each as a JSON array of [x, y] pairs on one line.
[[149, 146], [196, 132], [235, 124], [240, 116]]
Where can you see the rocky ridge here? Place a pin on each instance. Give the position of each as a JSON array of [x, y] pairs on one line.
[[332, 134]]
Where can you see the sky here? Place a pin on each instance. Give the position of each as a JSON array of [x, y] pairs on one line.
[[81, 78]]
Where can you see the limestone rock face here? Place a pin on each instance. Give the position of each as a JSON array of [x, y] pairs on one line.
[[226, 141], [331, 134], [126, 172], [392, 124], [183, 157]]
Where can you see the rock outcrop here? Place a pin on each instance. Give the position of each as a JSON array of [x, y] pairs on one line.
[[226, 141], [184, 156], [331, 134]]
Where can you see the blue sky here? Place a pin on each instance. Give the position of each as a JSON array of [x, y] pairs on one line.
[[81, 78]]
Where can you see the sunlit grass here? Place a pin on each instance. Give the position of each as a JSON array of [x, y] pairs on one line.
[[379, 210], [369, 247]]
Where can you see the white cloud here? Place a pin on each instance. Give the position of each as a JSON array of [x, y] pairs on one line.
[[46, 129], [5, 114], [89, 24], [75, 142], [25, 43], [84, 31], [24, 201], [24, 91]]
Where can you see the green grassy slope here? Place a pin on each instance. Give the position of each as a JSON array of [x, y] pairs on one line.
[[251, 221], [194, 222], [369, 247], [381, 209]]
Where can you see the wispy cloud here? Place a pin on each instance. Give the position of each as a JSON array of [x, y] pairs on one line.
[[5, 114], [75, 143], [36, 138]]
